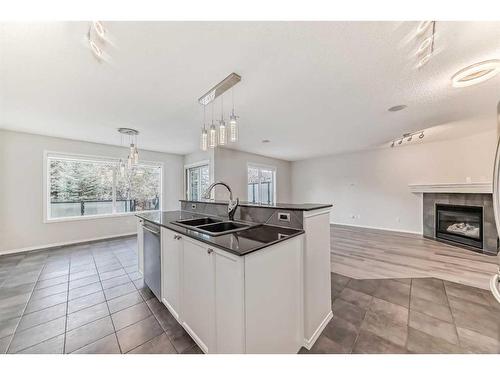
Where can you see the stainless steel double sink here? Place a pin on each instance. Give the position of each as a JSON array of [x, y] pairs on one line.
[[213, 226]]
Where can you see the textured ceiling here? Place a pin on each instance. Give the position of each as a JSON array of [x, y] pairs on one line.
[[312, 88]]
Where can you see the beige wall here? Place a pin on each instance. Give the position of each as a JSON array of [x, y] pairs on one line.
[[231, 167], [21, 192], [371, 188]]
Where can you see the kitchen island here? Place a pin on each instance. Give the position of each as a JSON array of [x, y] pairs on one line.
[[262, 289]]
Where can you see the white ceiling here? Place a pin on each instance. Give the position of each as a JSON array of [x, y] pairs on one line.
[[312, 88]]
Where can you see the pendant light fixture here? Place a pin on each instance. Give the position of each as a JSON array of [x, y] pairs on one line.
[[212, 133], [204, 133], [133, 156], [233, 124], [222, 124], [220, 135]]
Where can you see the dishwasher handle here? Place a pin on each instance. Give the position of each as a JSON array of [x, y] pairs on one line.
[[150, 230]]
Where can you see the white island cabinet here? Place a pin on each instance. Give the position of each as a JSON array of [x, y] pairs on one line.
[[235, 304]]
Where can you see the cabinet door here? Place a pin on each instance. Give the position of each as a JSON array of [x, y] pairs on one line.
[[198, 292], [171, 244], [229, 303], [140, 245]]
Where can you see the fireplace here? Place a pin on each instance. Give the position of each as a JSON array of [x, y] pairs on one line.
[[460, 224]]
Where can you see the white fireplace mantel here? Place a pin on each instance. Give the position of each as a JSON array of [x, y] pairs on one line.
[[472, 187]]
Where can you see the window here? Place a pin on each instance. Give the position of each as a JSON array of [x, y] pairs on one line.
[[261, 184], [88, 186], [197, 181]]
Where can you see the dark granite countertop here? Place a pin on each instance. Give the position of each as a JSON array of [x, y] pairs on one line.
[[238, 243], [283, 206]]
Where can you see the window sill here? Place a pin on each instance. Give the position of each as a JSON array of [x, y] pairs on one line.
[[93, 217]]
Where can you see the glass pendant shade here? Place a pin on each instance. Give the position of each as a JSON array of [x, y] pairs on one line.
[[212, 136], [222, 133], [204, 140], [136, 156], [233, 128]]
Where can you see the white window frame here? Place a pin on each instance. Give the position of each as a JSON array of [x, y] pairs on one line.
[[72, 156], [275, 180], [201, 163]]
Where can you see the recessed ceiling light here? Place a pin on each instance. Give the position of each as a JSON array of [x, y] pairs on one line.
[[266, 141], [476, 73], [397, 108]]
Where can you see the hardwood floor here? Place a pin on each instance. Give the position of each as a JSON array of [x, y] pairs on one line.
[[363, 253]]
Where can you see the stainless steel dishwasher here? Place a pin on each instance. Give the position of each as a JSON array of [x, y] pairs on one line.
[[152, 257]]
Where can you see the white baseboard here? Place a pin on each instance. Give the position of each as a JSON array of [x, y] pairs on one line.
[[308, 343], [379, 228], [66, 243]]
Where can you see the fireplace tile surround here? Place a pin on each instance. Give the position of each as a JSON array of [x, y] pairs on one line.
[[490, 235]]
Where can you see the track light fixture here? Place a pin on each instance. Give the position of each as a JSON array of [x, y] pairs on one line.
[[408, 137], [219, 136]]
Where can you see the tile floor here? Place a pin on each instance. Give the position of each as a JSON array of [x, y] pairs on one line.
[[419, 315], [91, 299], [83, 299]]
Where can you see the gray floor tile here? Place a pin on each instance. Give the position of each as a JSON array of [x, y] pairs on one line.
[[466, 292], [87, 315], [84, 290], [382, 325], [82, 274], [177, 335], [158, 345], [43, 303], [124, 301], [6, 292], [368, 343], [10, 312], [474, 342], [365, 286], [87, 334], [341, 332], [106, 345], [51, 282], [37, 334], [423, 343], [8, 327], [111, 274], [52, 275], [135, 276], [195, 349], [475, 317], [429, 282], [130, 315], [434, 295], [83, 281], [359, 299], [86, 301], [348, 311], [138, 333], [54, 345], [116, 281], [4, 344], [324, 345], [110, 267], [435, 310], [433, 327], [395, 313], [42, 316], [394, 292], [20, 299], [119, 290], [55, 289]]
